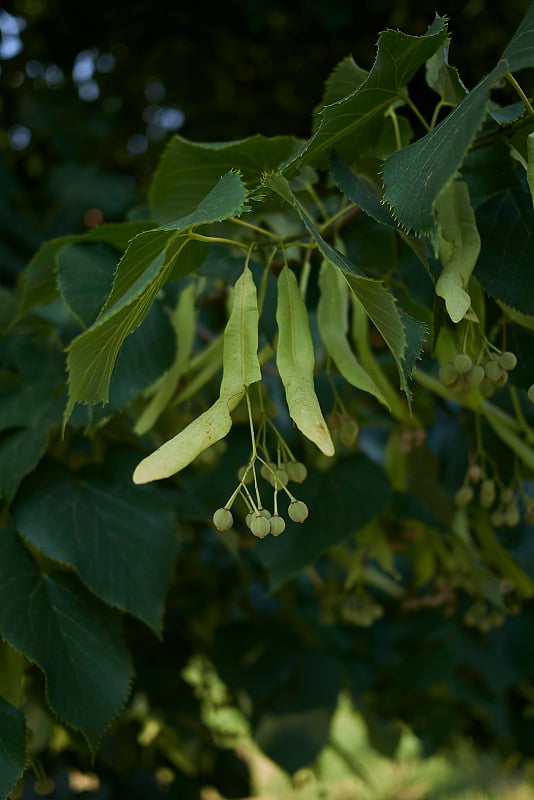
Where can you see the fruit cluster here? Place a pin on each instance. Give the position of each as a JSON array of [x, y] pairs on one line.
[[502, 499], [488, 372], [259, 520]]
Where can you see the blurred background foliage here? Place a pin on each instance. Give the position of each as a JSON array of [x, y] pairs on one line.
[[90, 92]]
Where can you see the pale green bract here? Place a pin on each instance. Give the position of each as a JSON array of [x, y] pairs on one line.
[[459, 248], [183, 320], [241, 367], [332, 319], [295, 361]]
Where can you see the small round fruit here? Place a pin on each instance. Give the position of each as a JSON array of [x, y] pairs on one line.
[[279, 479], [507, 496], [296, 471], [530, 393], [475, 473], [260, 526], [463, 496], [267, 470], [487, 493], [245, 475], [512, 517], [264, 512], [447, 374], [462, 362], [487, 388], [493, 370], [298, 510], [278, 524], [475, 376], [223, 519], [507, 360], [348, 432]]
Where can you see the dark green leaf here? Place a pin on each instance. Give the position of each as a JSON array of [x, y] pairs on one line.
[[85, 276], [414, 176], [38, 284], [31, 403], [345, 78], [119, 538], [144, 357], [504, 266], [444, 79], [20, 452], [358, 190], [142, 271], [12, 746], [188, 170], [357, 119], [72, 637], [341, 501]]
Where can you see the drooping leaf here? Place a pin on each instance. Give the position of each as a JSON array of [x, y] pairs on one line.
[[12, 746], [120, 540], [504, 267], [414, 176], [188, 170], [340, 501], [71, 636], [146, 265], [355, 120]]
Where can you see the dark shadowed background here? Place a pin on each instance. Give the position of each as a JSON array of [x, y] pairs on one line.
[[91, 91]]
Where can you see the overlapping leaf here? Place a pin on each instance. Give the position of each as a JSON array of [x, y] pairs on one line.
[[504, 267], [188, 170], [39, 283], [142, 271], [241, 368], [356, 119], [100, 526], [414, 176], [380, 305]]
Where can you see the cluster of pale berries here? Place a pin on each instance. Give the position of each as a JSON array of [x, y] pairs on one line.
[[488, 373], [502, 500], [259, 520]]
